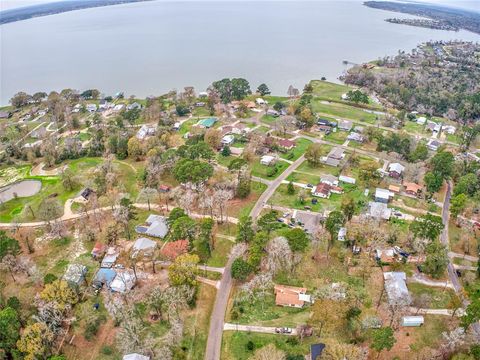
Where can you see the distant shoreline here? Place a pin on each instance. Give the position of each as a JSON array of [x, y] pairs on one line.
[[30, 12]]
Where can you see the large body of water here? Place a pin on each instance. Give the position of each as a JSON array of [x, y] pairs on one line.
[[152, 47]]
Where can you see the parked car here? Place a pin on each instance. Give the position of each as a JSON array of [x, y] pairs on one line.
[[284, 330], [310, 186]]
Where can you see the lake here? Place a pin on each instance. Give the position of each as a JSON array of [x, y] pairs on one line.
[[152, 47]]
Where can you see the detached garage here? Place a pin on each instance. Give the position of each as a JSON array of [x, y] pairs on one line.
[[412, 321]]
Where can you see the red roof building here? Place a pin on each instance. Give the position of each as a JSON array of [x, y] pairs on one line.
[[286, 144]]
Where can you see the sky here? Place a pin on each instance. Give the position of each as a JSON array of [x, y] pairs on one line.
[[465, 4]]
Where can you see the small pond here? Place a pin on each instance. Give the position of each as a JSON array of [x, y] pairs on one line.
[[24, 188]]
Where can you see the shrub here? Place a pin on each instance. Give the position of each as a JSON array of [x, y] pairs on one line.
[[49, 278]]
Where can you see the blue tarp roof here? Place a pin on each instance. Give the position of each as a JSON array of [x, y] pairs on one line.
[[105, 276]]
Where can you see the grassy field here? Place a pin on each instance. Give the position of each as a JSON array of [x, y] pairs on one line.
[[299, 150], [326, 90], [303, 178], [268, 119], [262, 170], [282, 198], [343, 111], [306, 167], [440, 298], [220, 253], [337, 137]]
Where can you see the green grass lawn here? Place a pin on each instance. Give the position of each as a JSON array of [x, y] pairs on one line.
[[337, 137], [282, 198], [453, 138], [220, 253], [185, 127], [272, 99], [298, 150], [326, 90], [321, 169], [262, 170], [430, 333], [201, 111], [440, 297], [268, 119], [234, 344], [414, 128], [263, 129], [84, 136], [303, 178], [344, 111]]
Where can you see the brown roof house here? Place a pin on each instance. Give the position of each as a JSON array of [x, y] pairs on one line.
[[412, 188], [286, 144], [291, 296]]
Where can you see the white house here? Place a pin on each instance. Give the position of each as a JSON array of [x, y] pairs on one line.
[[449, 129], [228, 140], [342, 233], [145, 130], [433, 144], [260, 101], [421, 120], [118, 107], [267, 160], [329, 179], [383, 195], [91, 107], [413, 321]]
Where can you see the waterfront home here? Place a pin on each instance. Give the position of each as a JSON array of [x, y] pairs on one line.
[[134, 105], [291, 296], [260, 101], [395, 170]]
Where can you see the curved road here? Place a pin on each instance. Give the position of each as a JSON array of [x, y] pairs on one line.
[[214, 342]]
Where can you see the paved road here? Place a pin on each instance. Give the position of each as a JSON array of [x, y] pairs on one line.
[[452, 274], [214, 341], [253, 328]]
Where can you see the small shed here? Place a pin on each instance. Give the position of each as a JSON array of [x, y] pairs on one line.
[[412, 321], [135, 356]]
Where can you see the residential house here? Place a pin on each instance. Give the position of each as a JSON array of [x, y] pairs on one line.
[[412, 188], [421, 120], [145, 131], [273, 112], [324, 190], [5, 114], [291, 296], [164, 188], [110, 258], [334, 156], [103, 105], [395, 170], [383, 195], [155, 226], [326, 122], [286, 145], [379, 210], [98, 250], [176, 126], [347, 179], [260, 101], [118, 107], [173, 249], [329, 179], [143, 246], [324, 128], [77, 108], [396, 288], [449, 129], [268, 160], [433, 127], [386, 256], [203, 94], [342, 234], [39, 133], [104, 276], [75, 274], [123, 282], [228, 140], [345, 125], [91, 108], [433, 144], [134, 105], [356, 137], [207, 123], [200, 104]]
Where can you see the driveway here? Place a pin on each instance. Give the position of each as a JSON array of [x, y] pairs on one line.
[[254, 328]]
